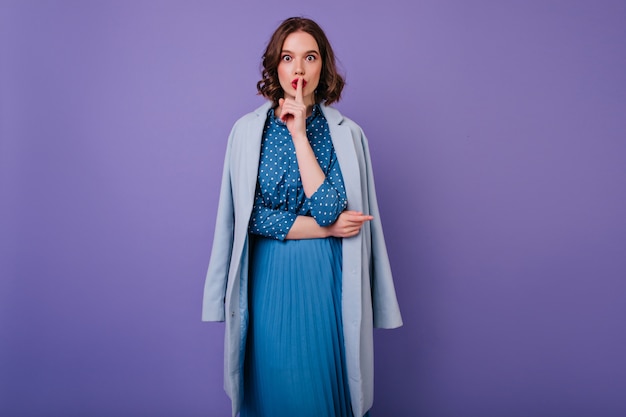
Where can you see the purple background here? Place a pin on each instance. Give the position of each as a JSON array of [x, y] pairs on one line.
[[498, 133]]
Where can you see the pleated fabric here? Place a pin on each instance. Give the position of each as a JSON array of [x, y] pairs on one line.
[[294, 361]]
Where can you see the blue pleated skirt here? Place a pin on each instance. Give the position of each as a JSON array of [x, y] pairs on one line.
[[294, 361]]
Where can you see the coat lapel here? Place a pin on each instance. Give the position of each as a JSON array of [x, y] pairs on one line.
[[343, 143]]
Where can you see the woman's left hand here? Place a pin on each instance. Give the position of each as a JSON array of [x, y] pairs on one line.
[[348, 224]]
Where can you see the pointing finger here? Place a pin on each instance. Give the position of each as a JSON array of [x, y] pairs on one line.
[[299, 86]]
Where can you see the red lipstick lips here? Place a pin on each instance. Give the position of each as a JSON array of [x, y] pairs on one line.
[[294, 83]]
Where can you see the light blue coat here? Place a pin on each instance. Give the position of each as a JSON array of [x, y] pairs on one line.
[[368, 294]]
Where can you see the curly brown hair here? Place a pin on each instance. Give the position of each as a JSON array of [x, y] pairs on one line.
[[331, 82]]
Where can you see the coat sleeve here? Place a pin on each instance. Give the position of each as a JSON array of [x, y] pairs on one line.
[[384, 302], [219, 264]]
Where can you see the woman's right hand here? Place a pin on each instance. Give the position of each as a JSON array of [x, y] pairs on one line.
[[293, 112], [348, 224]]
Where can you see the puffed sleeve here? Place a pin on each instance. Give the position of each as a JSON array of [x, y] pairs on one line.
[[269, 222], [329, 200]]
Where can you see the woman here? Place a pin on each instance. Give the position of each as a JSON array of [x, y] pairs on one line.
[[299, 268]]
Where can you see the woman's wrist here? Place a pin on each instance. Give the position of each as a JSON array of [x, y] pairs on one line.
[[305, 227], [299, 138]]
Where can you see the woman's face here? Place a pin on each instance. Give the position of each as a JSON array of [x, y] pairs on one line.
[[300, 58]]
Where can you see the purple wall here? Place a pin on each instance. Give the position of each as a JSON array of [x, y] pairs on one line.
[[498, 132]]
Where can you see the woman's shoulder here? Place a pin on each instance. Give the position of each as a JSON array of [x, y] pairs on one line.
[[334, 116], [249, 126]]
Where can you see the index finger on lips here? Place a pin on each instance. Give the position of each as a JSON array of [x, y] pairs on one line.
[[299, 96]]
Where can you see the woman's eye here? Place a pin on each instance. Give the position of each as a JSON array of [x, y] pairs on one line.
[[286, 58], [310, 58]]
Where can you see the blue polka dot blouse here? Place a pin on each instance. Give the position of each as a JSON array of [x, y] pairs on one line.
[[280, 196]]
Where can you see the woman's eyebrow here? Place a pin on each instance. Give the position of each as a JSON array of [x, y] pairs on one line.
[[312, 51]]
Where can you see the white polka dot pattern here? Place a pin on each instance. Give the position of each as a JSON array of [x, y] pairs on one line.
[[280, 196]]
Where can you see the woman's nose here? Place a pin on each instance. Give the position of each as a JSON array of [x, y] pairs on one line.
[[299, 69]]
